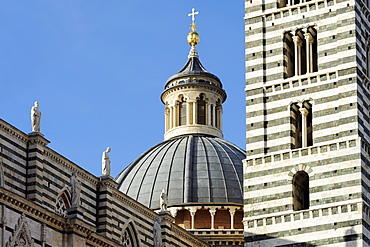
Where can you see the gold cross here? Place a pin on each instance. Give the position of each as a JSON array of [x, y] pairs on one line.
[[192, 14]]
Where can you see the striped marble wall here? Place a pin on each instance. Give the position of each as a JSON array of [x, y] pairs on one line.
[[337, 161]]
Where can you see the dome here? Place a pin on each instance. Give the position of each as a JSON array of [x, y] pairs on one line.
[[191, 168]]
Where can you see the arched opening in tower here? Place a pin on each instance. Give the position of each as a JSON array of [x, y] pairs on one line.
[[301, 191]]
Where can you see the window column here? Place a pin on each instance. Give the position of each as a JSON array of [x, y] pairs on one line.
[[220, 117], [309, 51], [232, 214], [195, 111], [176, 114], [212, 212], [297, 51], [208, 114], [188, 112], [304, 113], [192, 214], [171, 117], [214, 115], [167, 117]]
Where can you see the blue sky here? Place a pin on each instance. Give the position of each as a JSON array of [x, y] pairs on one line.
[[97, 69]]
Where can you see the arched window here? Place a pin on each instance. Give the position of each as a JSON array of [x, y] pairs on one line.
[[311, 37], [300, 52], [63, 202], [167, 116], [222, 219], [289, 55], [182, 111], [308, 106], [183, 218], [295, 126], [301, 191], [301, 124], [238, 219], [129, 236], [218, 114], [284, 3], [201, 110], [202, 219]]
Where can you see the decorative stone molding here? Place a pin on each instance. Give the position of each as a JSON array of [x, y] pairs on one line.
[[290, 83], [179, 231], [9, 129], [193, 80], [129, 229], [43, 232], [37, 138], [70, 166], [301, 152], [354, 206], [126, 200], [300, 167], [21, 235], [63, 202], [21, 204], [197, 87]]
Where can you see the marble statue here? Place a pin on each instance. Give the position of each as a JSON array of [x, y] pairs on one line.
[[105, 161], [157, 233], [163, 201], [35, 117], [76, 190]]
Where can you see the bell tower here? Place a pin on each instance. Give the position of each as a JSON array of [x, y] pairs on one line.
[[306, 176]]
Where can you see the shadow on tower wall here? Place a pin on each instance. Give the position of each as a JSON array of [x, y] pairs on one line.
[[351, 236], [264, 240]]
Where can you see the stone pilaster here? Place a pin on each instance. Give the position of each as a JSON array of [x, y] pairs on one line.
[[77, 233], [166, 226], [105, 190], [75, 213], [35, 166]]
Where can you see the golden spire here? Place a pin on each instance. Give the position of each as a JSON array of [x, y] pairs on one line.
[[193, 36]]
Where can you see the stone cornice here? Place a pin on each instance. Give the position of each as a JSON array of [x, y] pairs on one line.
[[179, 231], [98, 240], [37, 138], [349, 142], [41, 214], [31, 209], [126, 200], [69, 165], [198, 87], [108, 182], [11, 130]]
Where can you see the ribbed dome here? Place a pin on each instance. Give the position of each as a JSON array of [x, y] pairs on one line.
[[191, 168]]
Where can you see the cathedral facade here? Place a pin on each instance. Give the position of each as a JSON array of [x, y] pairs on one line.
[[47, 200]]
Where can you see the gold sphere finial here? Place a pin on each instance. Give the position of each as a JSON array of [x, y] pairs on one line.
[[193, 37]]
